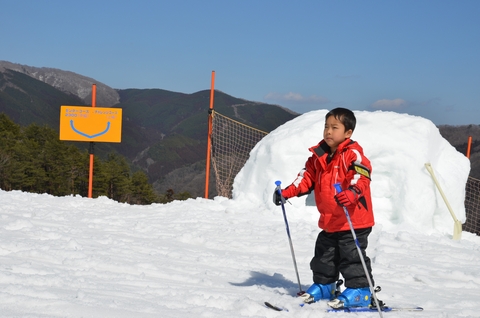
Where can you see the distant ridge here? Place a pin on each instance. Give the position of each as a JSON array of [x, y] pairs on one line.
[[68, 82]]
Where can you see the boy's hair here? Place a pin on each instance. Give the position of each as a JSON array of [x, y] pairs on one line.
[[345, 116]]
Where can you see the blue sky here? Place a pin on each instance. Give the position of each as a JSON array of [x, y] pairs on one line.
[[420, 57]]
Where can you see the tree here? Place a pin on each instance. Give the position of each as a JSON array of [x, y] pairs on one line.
[[142, 192], [25, 172], [113, 178], [170, 196], [9, 135]]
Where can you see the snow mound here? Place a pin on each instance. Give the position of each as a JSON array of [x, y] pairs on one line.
[[398, 145]]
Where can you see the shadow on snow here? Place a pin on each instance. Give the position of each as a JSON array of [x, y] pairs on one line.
[[275, 281]]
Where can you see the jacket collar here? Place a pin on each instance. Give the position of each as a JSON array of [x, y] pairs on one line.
[[322, 148]]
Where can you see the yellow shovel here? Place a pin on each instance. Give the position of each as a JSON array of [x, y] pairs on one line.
[[457, 227]]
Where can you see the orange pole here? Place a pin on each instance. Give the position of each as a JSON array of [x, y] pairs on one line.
[[209, 138], [469, 146], [90, 173]]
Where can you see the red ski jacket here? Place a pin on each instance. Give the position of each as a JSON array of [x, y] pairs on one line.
[[347, 166]]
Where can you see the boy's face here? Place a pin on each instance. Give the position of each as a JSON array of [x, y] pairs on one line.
[[334, 133]]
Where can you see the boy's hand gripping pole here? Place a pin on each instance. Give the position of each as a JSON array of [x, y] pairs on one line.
[[338, 188], [279, 192]]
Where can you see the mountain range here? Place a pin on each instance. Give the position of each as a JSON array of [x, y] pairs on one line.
[[164, 133]]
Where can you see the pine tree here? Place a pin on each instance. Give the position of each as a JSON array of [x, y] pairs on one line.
[[9, 135], [116, 178], [142, 191]]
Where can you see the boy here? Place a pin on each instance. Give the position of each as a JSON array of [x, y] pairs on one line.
[[338, 159]]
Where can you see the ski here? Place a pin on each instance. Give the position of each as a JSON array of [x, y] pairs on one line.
[[276, 308], [374, 309], [352, 309]]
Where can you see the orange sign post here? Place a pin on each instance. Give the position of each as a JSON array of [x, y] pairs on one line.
[[93, 124], [91, 149]]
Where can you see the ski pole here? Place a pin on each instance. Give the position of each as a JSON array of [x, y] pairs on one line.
[[279, 192], [357, 244]]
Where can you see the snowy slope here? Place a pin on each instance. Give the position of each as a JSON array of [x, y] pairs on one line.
[[79, 257]]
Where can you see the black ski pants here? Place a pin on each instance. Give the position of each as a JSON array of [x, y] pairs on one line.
[[336, 253]]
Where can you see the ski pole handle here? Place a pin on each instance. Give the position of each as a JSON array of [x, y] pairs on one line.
[[278, 183], [338, 187]]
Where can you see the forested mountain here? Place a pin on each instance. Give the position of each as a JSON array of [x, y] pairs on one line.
[[164, 133]]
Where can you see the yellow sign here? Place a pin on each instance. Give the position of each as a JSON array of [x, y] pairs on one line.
[[86, 123]]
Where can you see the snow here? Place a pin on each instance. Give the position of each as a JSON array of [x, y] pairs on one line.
[[79, 257]]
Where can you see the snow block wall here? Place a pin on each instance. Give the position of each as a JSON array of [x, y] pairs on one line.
[[398, 145]]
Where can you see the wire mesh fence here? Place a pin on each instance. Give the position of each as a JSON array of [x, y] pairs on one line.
[[472, 206]]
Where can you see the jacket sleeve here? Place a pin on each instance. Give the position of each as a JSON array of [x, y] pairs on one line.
[[304, 182], [358, 172]]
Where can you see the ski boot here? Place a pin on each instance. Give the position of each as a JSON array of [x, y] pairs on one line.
[[352, 297], [319, 291]]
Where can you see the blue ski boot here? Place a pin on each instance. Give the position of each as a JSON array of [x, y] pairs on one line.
[[352, 297], [319, 291]]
